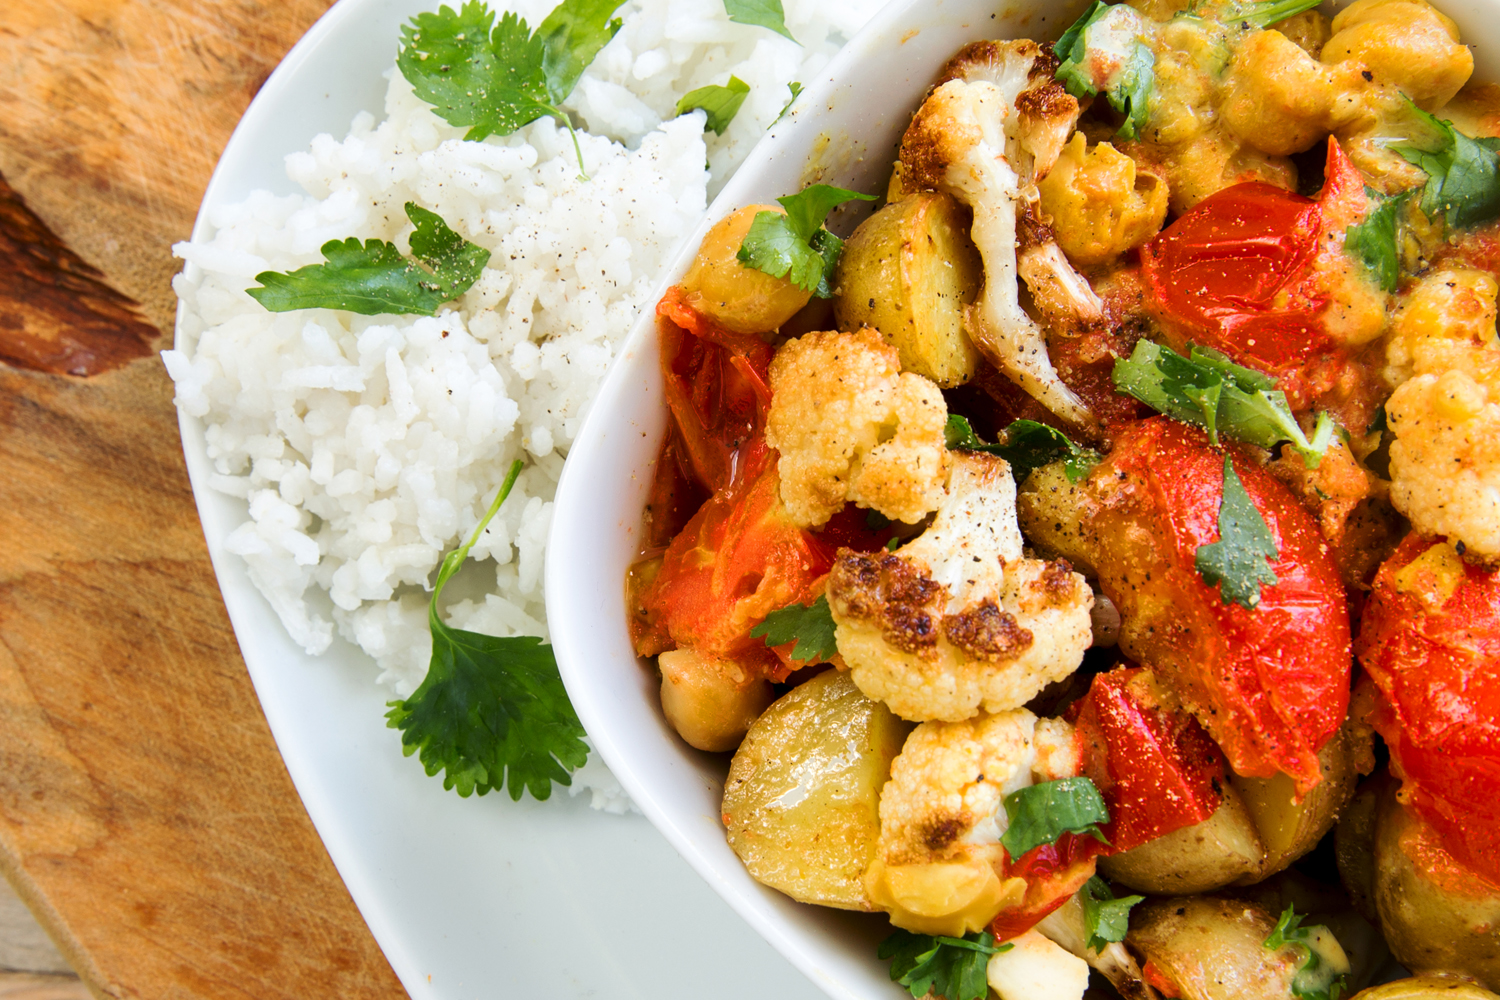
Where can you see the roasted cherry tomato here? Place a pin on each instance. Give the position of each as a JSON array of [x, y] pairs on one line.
[[1053, 872], [1271, 685], [1155, 766], [1430, 640]]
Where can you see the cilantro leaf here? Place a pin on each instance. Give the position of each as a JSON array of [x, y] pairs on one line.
[[947, 967], [1265, 13], [1316, 979], [1105, 918], [374, 279], [1025, 445], [489, 710], [1372, 241], [795, 244], [1210, 391], [572, 36], [796, 88], [1463, 173], [810, 624], [760, 13], [1128, 89], [720, 103], [1041, 813], [1240, 561]]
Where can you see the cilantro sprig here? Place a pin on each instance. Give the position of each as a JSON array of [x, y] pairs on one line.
[[811, 625], [1128, 90], [1039, 814], [1463, 173], [1373, 240], [1240, 561], [497, 78], [1317, 979], [372, 278], [1105, 918], [1025, 445], [795, 244], [1210, 391], [759, 13], [1265, 13], [721, 104], [490, 710], [947, 967]]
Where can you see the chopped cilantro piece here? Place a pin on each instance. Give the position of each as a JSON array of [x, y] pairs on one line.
[[810, 624], [760, 13], [795, 244], [489, 710], [796, 89], [1268, 12], [1025, 445], [1105, 918], [1317, 979], [374, 279], [1208, 390], [495, 81], [1463, 173], [1372, 241], [721, 104], [1041, 813], [1240, 561], [947, 967], [1129, 90]]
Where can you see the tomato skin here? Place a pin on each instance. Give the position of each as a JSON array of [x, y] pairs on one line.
[[1053, 872], [1156, 768], [1436, 661], [1271, 685]]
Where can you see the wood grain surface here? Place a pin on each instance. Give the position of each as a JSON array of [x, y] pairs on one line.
[[145, 814]]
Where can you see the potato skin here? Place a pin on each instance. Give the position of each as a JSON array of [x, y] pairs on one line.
[[828, 742], [1220, 851], [708, 700], [1437, 916], [909, 270], [1426, 988], [1212, 948], [737, 297]]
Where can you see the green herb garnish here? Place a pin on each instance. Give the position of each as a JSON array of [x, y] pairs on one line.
[[372, 278], [720, 103], [1105, 918], [489, 710], [1039, 814], [760, 13], [1267, 12], [1463, 173], [1130, 91], [1025, 445], [796, 244], [1372, 241], [1240, 561], [497, 78], [1210, 391], [796, 89], [810, 624], [947, 967], [1316, 979]]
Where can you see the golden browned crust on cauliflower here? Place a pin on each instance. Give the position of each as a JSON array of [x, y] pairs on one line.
[[958, 620], [850, 425]]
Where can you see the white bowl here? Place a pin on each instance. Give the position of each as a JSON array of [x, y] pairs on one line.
[[846, 134]]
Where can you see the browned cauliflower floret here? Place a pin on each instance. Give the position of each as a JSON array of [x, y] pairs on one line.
[[957, 620], [1101, 205], [850, 425], [938, 865], [1446, 315]]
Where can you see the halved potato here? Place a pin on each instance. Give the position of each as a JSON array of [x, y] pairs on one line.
[[1426, 988], [1220, 851], [802, 800], [908, 271]]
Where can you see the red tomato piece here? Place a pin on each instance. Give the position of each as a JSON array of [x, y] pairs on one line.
[[1053, 872], [1271, 685], [1156, 768], [1236, 272], [1430, 640]]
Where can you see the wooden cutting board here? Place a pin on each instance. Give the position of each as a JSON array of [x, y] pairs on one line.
[[145, 814]]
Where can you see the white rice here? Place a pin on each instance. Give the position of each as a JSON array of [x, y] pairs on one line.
[[366, 447]]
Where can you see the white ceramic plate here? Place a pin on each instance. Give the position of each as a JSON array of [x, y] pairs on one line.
[[468, 898], [846, 135]]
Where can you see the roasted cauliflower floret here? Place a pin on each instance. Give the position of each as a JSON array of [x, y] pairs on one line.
[[850, 425], [1405, 44], [1100, 203], [985, 136], [1445, 317], [938, 863], [957, 620]]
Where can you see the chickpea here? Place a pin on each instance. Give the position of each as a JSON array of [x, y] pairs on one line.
[[740, 298], [710, 702], [1406, 44], [1280, 100], [1100, 202]]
